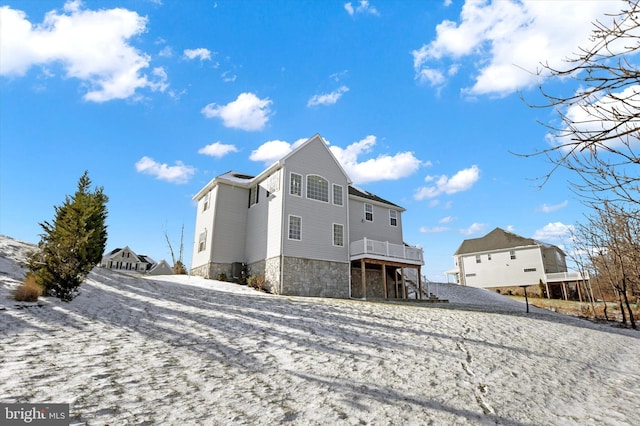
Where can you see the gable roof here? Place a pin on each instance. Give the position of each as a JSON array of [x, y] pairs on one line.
[[498, 239], [241, 179], [314, 139]]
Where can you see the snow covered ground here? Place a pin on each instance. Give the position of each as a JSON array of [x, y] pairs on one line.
[[187, 351]]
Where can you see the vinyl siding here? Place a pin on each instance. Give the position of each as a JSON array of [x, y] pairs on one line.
[[229, 232], [318, 217], [380, 229], [264, 224], [204, 219], [501, 270]]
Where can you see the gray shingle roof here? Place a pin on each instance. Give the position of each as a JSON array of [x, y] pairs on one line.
[[370, 196]]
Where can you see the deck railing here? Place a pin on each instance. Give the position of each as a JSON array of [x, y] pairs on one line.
[[368, 247], [566, 276]]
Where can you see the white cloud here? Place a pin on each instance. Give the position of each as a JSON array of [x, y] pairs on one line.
[[91, 46], [507, 41], [271, 151], [200, 53], [362, 7], [603, 115], [328, 98], [434, 230], [247, 112], [475, 228], [382, 167], [166, 52], [447, 219], [228, 77], [461, 181], [555, 233], [217, 149], [546, 208], [180, 173]]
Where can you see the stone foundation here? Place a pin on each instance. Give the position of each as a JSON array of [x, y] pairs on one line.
[[211, 270], [315, 278]]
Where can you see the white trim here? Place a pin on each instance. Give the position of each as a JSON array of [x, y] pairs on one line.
[[289, 227], [333, 235], [291, 186], [306, 187], [365, 212], [333, 194]]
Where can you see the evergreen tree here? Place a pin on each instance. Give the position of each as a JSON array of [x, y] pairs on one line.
[[73, 244]]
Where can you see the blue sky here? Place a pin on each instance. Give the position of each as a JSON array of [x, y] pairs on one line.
[[420, 102]]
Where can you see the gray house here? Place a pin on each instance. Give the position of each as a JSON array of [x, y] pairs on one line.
[[302, 226]]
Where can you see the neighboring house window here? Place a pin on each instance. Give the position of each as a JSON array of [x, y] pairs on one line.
[[368, 212], [205, 201], [295, 227], [202, 241], [295, 184], [489, 256], [393, 217], [253, 195], [338, 235], [317, 188], [478, 259], [512, 254], [529, 269], [337, 195]]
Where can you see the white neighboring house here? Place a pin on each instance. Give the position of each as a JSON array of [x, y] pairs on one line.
[[125, 259], [302, 226], [504, 259]]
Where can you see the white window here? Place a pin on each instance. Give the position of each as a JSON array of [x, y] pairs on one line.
[[529, 269], [512, 254], [202, 241], [478, 259], [338, 235], [393, 217], [295, 227], [317, 188], [368, 212], [273, 183], [253, 195], [295, 184], [337, 195], [205, 201], [489, 256]]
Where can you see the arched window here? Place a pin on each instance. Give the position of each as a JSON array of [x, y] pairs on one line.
[[317, 188]]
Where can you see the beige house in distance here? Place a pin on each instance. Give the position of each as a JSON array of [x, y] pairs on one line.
[[504, 259]]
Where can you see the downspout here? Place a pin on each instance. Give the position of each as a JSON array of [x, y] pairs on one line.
[[285, 193], [348, 240]]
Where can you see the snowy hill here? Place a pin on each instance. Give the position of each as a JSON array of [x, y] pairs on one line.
[[179, 350]]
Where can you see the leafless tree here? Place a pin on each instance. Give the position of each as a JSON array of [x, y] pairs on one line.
[[178, 264], [611, 242], [598, 133]]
